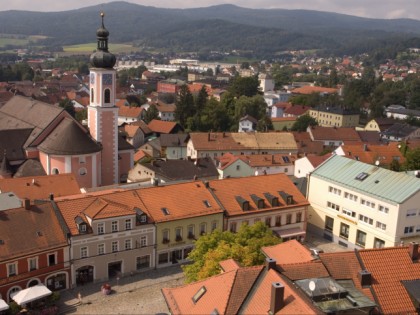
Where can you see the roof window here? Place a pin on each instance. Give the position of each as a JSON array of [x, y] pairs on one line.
[[199, 294], [362, 176], [165, 211]]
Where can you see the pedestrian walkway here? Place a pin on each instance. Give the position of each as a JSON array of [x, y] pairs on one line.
[[316, 241], [134, 294]]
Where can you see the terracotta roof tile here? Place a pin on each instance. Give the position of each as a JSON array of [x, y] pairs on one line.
[[130, 111], [181, 200], [19, 231], [313, 269], [338, 134], [227, 189], [290, 252], [161, 126], [297, 110], [389, 267], [258, 160], [259, 301], [314, 89], [370, 153], [229, 265], [317, 160], [40, 187]]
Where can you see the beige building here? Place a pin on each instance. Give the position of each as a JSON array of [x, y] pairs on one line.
[[112, 235], [334, 116], [358, 205], [272, 199], [214, 145], [181, 212]]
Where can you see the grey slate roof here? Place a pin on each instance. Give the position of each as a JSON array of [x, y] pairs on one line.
[[399, 130], [183, 169], [12, 141], [174, 140], [30, 168], [123, 144], [23, 113], [69, 138], [390, 186]]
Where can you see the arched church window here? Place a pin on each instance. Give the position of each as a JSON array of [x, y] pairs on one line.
[[92, 97]]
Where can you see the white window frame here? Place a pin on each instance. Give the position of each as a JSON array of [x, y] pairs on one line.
[[143, 241], [350, 196], [127, 244], [381, 225], [383, 209], [15, 267], [30, 260], [101, 249], [101, 228], [334, 190], [114, 246], [333, 206], [84, 252], [128, 225], [114, 226], [365, 219]]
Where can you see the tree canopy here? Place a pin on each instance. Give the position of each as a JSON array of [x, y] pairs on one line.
[[244, 247], [302, 123]]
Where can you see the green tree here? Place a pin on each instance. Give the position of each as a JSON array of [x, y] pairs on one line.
[[244, 247], [302, 123], [265, 124], [151, 113], [412, 160], [244, 86], [184, 105], [67, 105], [81, 115]]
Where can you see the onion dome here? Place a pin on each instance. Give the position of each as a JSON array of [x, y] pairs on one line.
[[102, 58]]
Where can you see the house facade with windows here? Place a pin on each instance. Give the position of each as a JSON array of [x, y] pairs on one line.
[[272, 199], [335, 116], [359, 205], [111, 233], [181, 213], [33, 249], [217, 144]]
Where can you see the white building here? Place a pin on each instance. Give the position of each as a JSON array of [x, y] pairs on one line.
[[358, 205]]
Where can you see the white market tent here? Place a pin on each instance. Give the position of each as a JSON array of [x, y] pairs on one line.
[[31, 294], [3, 305]]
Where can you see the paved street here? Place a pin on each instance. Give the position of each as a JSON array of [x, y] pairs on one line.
[[137, 294], [140, 293]]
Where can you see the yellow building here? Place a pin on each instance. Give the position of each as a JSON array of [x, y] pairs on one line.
[[335, 116]]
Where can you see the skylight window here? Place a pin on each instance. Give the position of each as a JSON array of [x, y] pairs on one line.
[[362, 176], [199, 294], [207, 203], [165, 211]]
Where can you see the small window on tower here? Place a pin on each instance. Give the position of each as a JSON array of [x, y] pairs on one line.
[[92, 99], [107, 96]]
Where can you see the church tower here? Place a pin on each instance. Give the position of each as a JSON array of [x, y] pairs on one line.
[[102, 112]]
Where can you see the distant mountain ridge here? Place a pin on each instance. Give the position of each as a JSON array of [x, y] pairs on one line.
[[238, 28]]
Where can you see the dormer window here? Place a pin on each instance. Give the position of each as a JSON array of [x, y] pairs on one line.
[[199, 294], [259, 202], [287, 198], [272, 200], [81, 225], [243, 203]]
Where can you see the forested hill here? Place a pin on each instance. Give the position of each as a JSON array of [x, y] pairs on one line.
[[222, 27]]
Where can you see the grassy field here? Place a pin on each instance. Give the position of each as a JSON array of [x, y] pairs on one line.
[[90, 47], [18, 40]]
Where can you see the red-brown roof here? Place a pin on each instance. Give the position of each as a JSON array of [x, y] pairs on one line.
[[297, 110], [370, 153], [228, 189], [130, 111], [317, 160], [24, 232], [229, 265], [258, 160], [314, 89], [334, 134], [313, 269], [390, 267], [40, 187], [296, 253], [161, 126]]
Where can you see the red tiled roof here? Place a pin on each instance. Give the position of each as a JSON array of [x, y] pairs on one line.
[[297, 110], [227, 189], [317, 160], [229, 265], [296, 253], [260, 299], [258, 160], [130, 130], [161, 126], [337, 134], [40, 187], [223, 292], [313, 269], [19, 231], [314, 89], [344, 265], [139, 155], [130, 111], [390, 267], [370, 153], [184, 200]]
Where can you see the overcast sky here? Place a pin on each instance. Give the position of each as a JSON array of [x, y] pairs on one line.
[[388, 9]]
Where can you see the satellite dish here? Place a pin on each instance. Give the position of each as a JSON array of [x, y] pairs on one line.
[[377, 163], [312, 285], [256, 173]]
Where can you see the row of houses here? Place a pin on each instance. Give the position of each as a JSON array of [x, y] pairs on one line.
[[69, 240]]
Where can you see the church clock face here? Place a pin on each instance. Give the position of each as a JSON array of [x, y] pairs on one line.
[[92, 78], [107, 79]]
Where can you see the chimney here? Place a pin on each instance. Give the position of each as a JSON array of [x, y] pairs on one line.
[[365, 278], [365, 147], [206, 184], [27, 204], [413, 249], [208, 137], [51, 196], [270, 263], [277, 297]]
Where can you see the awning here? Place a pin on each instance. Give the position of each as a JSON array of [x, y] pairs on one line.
[[31, 294], [290, 232], [3, 305]]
